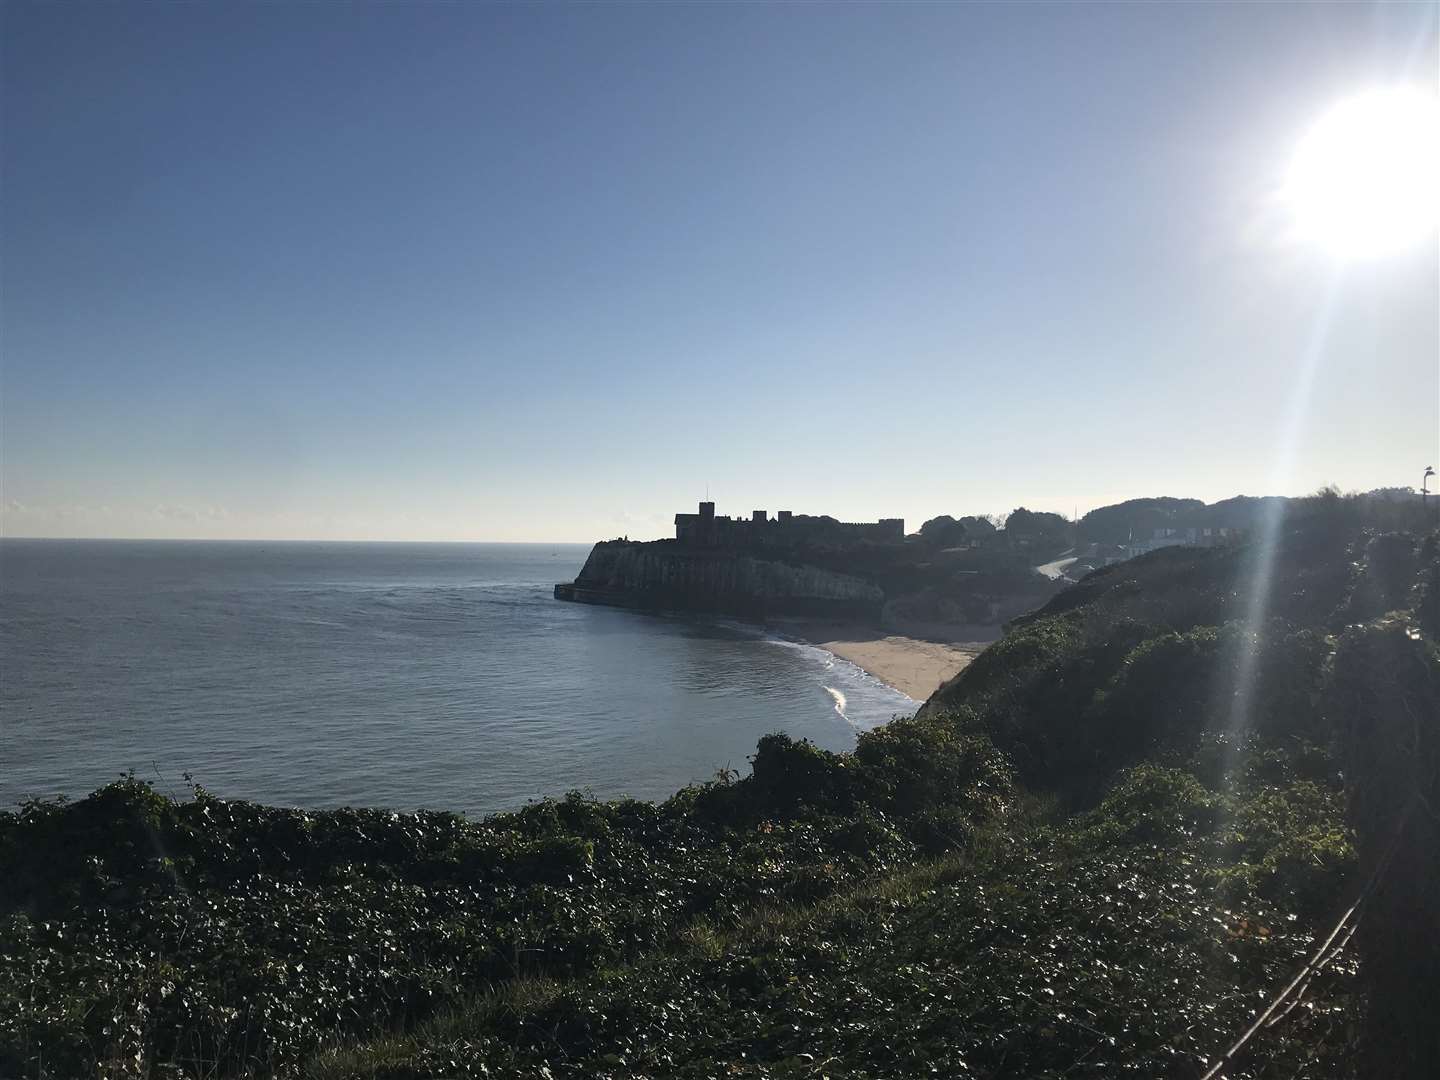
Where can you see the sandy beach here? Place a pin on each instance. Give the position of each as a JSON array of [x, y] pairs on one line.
[[914, 665]]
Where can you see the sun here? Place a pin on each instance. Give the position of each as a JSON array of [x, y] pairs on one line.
[[1365, 180]]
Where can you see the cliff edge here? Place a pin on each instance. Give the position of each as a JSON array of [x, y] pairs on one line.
[[664, 575]]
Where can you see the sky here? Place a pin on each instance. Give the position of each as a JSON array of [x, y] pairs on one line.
[[553, 273]]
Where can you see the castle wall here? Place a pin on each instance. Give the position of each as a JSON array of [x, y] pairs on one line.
[[758, 531]]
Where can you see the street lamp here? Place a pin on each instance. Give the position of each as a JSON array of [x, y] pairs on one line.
[[1425, 483]]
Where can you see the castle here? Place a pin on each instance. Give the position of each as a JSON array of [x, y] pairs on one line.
[[704, 529]]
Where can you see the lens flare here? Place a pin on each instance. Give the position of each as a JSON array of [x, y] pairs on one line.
[[1365, 180]]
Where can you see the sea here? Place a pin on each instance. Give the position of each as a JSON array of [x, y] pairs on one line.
[[397, 675]]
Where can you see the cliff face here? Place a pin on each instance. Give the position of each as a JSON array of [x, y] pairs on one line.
[[665, 576]]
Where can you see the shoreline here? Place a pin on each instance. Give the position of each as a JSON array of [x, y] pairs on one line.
[[915, 663]]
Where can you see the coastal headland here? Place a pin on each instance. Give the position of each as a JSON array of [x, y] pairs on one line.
[[841, 613], [904, 611]]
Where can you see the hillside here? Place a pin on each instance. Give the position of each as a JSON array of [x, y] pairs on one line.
[[1098, 852], [952, 572]]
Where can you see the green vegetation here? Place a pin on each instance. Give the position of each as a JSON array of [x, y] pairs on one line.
[[1097, 852], [1119, 963]]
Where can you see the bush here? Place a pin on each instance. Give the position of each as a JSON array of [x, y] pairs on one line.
[[1153, 804], [789, 777], [933, 767]]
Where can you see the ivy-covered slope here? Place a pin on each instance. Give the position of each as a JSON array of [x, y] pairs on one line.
[[1125, 942], [1098, 852]]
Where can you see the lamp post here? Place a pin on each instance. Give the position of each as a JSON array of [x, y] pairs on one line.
[[1425, 483]]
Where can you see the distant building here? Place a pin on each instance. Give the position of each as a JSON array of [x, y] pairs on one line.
[[1193, 536], [704, 529], [1098, 554]]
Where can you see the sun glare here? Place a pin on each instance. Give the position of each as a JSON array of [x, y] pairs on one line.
[[1365, 180]]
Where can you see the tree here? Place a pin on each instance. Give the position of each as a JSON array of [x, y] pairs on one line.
[[943, 531]]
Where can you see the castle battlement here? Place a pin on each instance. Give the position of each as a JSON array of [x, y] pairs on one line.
[[786, 529]]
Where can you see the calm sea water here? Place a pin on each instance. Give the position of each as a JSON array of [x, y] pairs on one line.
[[401, 675]]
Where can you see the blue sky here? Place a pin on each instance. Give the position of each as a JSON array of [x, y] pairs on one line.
[[545, 273]]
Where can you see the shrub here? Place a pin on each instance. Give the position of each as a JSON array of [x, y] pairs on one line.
[[788, 777], [1153, 804], [933, 768]]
